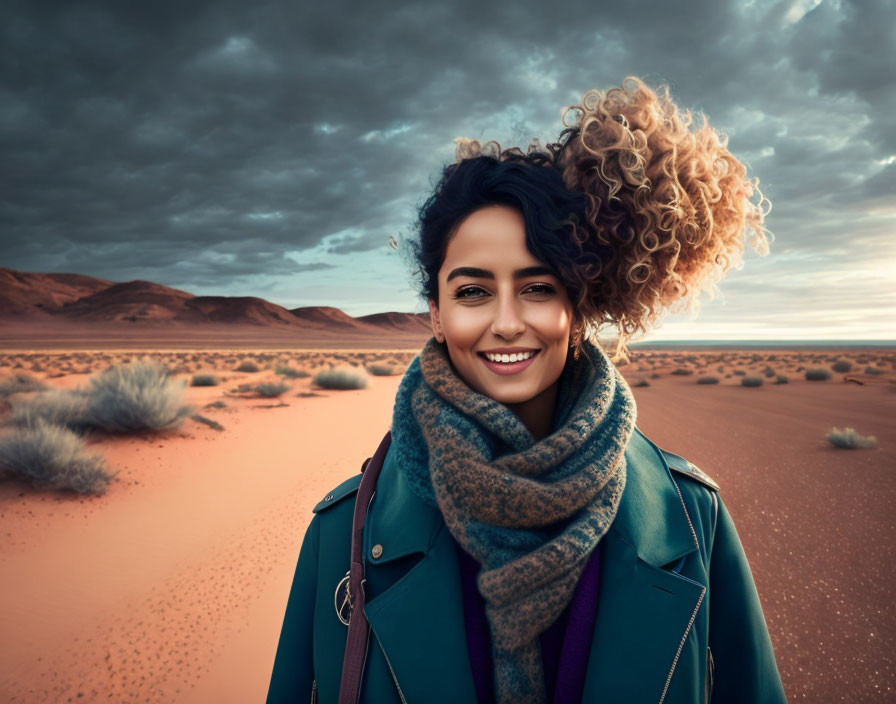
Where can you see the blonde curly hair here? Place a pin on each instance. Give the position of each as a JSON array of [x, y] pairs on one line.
[[668, 207]]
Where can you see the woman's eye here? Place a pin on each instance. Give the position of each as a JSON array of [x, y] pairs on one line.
[[469, 292], [543, 289]]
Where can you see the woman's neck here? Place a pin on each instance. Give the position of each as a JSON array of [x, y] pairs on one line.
[[537, 414]]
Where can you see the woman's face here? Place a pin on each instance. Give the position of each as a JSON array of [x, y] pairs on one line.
[[496, 299]]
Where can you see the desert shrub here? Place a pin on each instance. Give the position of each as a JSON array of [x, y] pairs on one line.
[[291, 373], [53, 457], [874, 371], [682, 371], [342, 377], [841, 365], [751, 381], [55, 406], [642, 382], [136, 396], [270, 389], [781, 379], [216, 404], [379, 369], [768, 372], [849, 439], [655, 375], [247, 367], [205, 380], [20, 382], [739, 372], [817, 374], [708, 380]]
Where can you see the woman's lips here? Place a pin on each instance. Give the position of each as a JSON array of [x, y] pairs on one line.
[[508, 367]]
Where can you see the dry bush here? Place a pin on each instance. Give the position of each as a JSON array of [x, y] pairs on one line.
[[270, 389], [204, 380], [53, 457], [291, 373], [134, 397], [849, 439], [817, 374], [342, 377], [20, 382], [63, 407]]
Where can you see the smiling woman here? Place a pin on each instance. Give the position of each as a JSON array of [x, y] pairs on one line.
[[516, 538]]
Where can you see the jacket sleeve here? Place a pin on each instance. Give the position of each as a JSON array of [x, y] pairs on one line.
[[744, 668], [293, 665]]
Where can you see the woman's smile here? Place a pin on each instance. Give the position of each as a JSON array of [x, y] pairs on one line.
[[508, 363]]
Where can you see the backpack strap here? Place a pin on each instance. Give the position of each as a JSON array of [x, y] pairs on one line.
[[358, 628]]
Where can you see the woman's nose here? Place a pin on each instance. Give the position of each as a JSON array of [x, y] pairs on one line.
[[508, 322]]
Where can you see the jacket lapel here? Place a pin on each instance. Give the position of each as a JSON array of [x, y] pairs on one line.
[[415, 606], [644, 611]]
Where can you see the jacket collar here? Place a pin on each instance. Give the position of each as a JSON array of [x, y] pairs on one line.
[[651, 517], [415, 606]]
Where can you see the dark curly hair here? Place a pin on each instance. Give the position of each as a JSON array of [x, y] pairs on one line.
[[636, 211]]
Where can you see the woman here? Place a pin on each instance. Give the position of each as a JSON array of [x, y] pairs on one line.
[[525, 541]]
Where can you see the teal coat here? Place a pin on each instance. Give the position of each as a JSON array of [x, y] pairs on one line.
[[678, 618]]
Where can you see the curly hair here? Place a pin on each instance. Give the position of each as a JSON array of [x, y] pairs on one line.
[[667, 208]]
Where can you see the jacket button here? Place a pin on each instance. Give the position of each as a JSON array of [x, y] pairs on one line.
[[376, 551]]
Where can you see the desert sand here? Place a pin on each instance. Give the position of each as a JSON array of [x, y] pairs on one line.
[[171, 586]]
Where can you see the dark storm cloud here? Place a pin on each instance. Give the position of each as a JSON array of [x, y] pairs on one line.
[[201, 142]]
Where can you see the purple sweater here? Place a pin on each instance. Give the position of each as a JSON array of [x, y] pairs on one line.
[[564, 646]]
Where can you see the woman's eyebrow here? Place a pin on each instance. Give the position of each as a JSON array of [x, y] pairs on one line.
[[477, 273]]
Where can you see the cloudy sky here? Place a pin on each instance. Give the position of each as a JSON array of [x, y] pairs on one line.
[[272, 148]]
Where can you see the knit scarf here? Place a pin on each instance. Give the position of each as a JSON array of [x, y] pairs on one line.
[[529, 512]]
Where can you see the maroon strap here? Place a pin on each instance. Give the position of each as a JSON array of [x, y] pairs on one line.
[[359, 629]]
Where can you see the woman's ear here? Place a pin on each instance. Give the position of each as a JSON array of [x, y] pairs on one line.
[[434, 321]]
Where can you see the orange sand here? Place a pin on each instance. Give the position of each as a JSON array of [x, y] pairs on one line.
[[171, 586]]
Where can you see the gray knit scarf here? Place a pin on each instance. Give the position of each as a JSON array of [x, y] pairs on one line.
[[529, 512]]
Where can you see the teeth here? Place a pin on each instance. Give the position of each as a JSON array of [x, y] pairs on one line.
[[506, 358]]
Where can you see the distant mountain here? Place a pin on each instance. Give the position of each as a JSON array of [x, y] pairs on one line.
[[23, 293], [142, 300], [73, 298], [402, 322], [326, 316]]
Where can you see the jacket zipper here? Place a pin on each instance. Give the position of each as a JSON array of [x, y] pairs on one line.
[[710, 667], [392, 672], [313, 691], [683, 639]]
